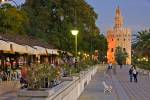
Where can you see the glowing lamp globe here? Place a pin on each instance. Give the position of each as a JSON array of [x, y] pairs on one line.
[[74, 32]]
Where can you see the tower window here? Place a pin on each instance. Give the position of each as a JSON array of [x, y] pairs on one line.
[[124, 49], [112, 50]]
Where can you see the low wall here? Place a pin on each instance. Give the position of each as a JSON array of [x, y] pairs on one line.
[[102, 67], [68, 90]]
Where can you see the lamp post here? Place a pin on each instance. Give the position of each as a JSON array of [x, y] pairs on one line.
[[75, 33]]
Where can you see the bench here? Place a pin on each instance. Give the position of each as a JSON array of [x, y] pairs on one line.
[[107, 88]]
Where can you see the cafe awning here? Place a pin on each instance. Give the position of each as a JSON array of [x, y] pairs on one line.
[[31, 50], [4, 46], [69, 54], [18, 48], [52, 51], [40, 50]]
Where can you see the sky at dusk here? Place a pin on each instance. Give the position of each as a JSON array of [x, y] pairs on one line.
[[136, 13]]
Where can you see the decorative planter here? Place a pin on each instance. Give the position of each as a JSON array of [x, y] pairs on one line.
[[67, 78], [70, 89]]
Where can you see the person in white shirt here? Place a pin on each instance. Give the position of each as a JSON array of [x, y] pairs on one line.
[[135, 73]]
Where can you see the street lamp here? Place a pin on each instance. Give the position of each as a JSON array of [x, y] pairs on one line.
[[75, 33]]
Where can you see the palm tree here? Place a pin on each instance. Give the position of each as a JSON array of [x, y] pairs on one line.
[[142, 45]]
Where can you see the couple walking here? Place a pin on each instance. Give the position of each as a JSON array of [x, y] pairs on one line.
[[133, 74]]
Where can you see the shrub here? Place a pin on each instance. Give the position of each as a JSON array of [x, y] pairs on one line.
[[143, 65], [38, 73]]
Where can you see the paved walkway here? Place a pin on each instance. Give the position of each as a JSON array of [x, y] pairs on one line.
[[135, 91], [94, 91], [8, 90], [122, 88], [9, 96]]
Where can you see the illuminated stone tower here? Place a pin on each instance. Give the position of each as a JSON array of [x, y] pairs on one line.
[[118, 36]]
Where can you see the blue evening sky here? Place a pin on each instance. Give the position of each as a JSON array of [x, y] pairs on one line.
[[136, 13], [19, 1]]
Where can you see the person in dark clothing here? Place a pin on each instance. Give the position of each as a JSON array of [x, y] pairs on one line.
[[110, 66], [131, 73], [23, 82]]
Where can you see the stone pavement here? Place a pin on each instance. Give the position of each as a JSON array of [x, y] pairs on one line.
[[9, 96], [8, 90], [94, 90], [122, 88], [135, 91]]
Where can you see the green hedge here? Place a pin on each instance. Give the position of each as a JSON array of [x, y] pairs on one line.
[[143, 65]]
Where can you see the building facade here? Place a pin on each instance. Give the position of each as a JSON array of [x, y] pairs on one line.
[[118, 36]]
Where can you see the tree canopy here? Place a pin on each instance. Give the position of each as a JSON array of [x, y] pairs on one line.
[[120, 56], [141, 46], [13, 20], [51, 21]]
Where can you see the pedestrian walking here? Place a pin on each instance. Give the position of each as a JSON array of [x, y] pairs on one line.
[[135, 73], [110, 66], [131, 74]]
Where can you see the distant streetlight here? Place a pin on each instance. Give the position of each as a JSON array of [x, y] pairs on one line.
[[75, 33], [79, 53]]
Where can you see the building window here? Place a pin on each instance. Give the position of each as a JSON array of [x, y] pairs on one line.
[[112, 39], [112, 50], [118, 39], [124, 49], [124, 39]]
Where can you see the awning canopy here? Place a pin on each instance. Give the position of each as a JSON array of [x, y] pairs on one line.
[[40, 50], [52, 51], [18, 48], [69, 54], [4, 46], [31, 50], [14, 47]]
